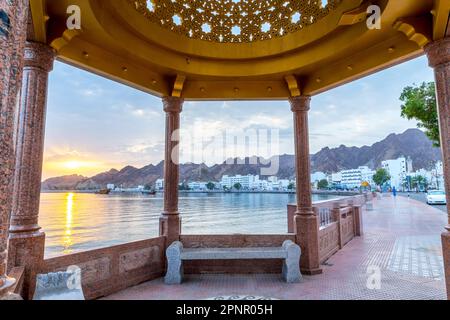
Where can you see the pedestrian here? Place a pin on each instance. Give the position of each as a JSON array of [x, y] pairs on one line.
[[394, 191]]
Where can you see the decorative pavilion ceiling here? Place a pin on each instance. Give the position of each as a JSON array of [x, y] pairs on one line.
[[237, 49], [234, 20]]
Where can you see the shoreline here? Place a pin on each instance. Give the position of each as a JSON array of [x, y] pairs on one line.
[[338, 193]]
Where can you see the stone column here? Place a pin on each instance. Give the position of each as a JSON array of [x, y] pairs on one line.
[[170, 222], [358, 221], [439, 58], [305, 220], [26, 241], [13, 29]]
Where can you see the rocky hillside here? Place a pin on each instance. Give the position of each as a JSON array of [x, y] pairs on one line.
[[63, 183], [412, 143]]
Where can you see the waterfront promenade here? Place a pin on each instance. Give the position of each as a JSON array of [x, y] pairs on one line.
[[401, 238]]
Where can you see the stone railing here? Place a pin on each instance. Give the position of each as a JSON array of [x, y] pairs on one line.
[[338, 222], [109, 270]]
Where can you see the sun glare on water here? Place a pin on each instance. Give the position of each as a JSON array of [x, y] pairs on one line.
[[67, 239]]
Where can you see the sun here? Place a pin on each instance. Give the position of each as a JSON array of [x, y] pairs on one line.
[[73, 165], [77, 165]]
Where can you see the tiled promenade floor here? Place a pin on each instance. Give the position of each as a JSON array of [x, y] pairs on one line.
[[401, 240]]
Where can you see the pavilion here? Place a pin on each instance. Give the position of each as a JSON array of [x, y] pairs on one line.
[[188, 50]]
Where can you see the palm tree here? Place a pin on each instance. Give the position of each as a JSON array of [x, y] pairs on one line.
[[419, 182]]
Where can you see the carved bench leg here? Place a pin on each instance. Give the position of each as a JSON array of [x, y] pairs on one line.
[[174, 273], [291, 265]]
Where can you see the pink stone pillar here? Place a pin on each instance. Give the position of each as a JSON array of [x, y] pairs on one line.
[[439, 58], [170, 222], [337, 216], [26, 241], [358, 221], [305, 221], [13, 29]]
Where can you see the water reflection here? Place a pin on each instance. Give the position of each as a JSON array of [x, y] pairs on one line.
[[67, 240], [75, 222]]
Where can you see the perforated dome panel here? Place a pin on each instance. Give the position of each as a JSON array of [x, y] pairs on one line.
[[234, 21]]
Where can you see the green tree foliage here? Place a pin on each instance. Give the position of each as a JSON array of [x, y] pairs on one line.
[[183, 187], [210, 186], [238, 186], [419, 182], [419, 103], [291, 186], [381, 177], [323, 184]]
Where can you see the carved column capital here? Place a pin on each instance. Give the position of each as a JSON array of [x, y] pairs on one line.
[[173, 104], [300, 103], [438, 52], [39, 55]]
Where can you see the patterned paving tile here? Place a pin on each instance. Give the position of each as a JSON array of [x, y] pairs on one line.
[[418, 255], [401, 240]]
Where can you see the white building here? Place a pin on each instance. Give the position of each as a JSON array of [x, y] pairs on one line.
[[318, 176], [274, 184], [273, 179], [198, 186], [438, 174], [367, 175], [439, 167], [355, 177], [398, 169], [247, 182], [263, 185], [284, 184], [336, 178], [434, 177], [159, 184], [110, 186]]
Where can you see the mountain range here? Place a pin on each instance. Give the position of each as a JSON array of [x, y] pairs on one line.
[[412, 143]]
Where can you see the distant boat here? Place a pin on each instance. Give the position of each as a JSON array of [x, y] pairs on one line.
[[149, 192], [104, 191]]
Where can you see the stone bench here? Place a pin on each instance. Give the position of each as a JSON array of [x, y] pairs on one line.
[[289, 252]]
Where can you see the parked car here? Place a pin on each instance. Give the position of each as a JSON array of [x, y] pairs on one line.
[[436, 197]]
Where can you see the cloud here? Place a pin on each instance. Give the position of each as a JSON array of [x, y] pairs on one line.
[[117, 125], [92, 92], [143, 112], [143, 148]]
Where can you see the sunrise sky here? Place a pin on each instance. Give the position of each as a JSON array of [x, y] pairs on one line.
[[94, 124]]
